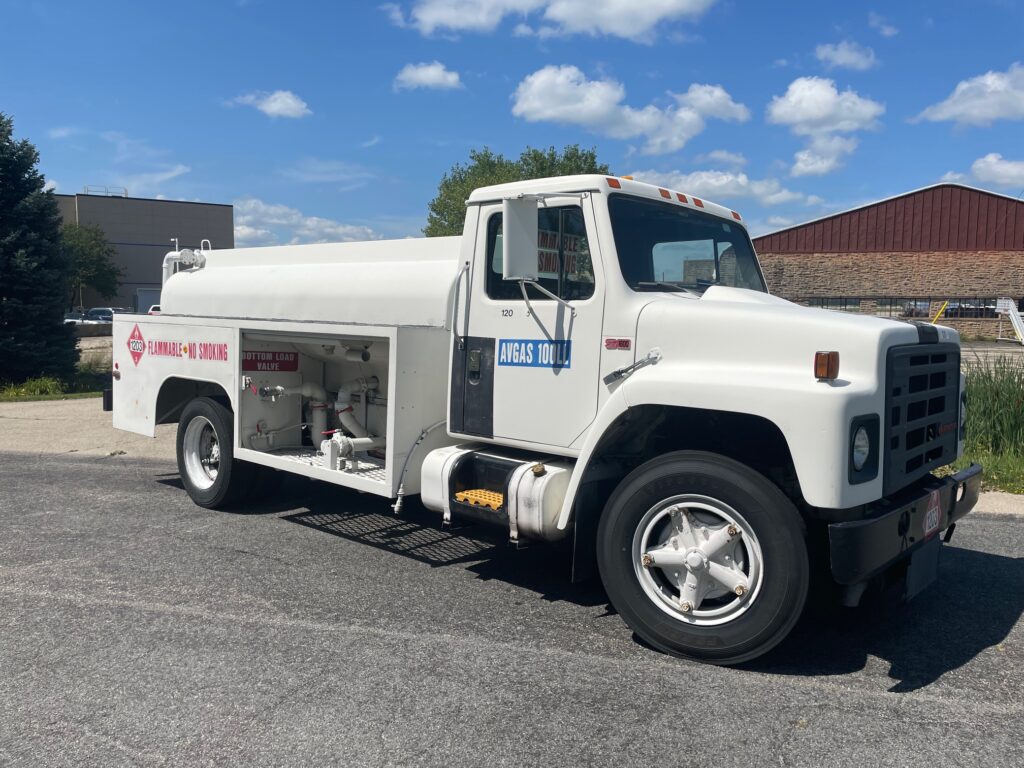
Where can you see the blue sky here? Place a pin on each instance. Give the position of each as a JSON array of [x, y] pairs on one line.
[[336, 120]]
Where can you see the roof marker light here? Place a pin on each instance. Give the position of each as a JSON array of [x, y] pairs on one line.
[[665, 193], [736, 216], [627, 177], [698, 202], [613, 183], [681, 197]]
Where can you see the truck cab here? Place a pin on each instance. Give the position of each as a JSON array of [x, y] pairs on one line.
[[596, 359]]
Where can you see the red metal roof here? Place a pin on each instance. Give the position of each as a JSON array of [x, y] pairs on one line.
[[945, 217]]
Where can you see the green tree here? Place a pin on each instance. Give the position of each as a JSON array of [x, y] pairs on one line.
[[33, 271], [447, 211], [90, 261]]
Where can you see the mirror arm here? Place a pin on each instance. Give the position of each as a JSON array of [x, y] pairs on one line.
[[546, 292]]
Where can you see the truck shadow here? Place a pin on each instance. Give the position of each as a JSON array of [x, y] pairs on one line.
[[974, 605], [417, 534]]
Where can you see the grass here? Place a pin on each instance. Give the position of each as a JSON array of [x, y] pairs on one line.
[[995, 422], [92, 376]]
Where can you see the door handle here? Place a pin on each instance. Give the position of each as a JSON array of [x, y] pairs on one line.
[[473, 365]]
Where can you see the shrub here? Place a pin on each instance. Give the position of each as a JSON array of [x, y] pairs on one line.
[[43, 385]]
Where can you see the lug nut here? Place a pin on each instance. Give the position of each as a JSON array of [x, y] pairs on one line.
[[740, 590], [685, 606], [733, 530], [647, 560]]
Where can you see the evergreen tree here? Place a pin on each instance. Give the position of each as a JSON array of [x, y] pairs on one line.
[[33, 269], [447, 211]]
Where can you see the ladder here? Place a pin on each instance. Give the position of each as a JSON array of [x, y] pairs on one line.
[[1008, 307]]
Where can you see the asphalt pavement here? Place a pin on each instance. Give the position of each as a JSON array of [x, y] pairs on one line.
[[314, 627]]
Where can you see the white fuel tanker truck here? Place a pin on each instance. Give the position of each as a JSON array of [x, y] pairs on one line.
[[594, 358]]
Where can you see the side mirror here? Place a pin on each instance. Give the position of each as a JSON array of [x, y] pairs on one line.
[[519, 259]]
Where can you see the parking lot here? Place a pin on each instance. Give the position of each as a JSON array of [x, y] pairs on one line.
[[316, 627]]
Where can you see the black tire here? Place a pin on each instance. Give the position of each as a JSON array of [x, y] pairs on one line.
[[233, 478], [772, 609]]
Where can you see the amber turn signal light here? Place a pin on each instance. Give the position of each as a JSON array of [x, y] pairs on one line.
[[826, 366]]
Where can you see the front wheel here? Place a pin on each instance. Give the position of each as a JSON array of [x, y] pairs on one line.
[[703, 557], [209, 471]]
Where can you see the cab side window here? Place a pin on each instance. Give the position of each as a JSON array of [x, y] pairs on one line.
[[563, 257]]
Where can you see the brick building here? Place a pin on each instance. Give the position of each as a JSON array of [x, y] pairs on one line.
[[907, 256]]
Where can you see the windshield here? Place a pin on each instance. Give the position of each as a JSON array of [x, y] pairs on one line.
[[663, 246]]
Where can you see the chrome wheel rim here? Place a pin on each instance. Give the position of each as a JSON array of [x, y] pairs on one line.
[[698, 560], [201, 450]]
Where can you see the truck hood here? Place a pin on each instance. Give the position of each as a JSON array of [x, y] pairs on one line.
[[737, 327]]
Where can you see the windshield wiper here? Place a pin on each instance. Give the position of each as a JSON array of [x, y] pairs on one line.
[[662, 286]]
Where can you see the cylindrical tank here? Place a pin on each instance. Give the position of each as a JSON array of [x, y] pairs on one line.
[[388, 282]]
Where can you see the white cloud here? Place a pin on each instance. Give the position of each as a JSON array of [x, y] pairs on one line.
[[129, 150], [954, 176], [846, 55], [620, 18], [311, 170], [722, 186], [723, 157], [993, 168], [145, 184], [395, 15], [50, 186], [879, 23], [779, 221], [712, 101], [823, 154], [563, 94], [813, 107], [983, 99], [62, 132], [247, 235], [274, 104], [260, 223], [373, 141], [432, 74]]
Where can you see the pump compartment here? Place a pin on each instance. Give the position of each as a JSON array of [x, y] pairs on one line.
[[286, 383]]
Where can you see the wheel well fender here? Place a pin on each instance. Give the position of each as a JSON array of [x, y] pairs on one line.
[[626, 436], [176, 392]]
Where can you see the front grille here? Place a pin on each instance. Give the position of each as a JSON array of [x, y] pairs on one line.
[[922, 411]]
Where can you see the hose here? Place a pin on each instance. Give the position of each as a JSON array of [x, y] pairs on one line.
[[397, 506]]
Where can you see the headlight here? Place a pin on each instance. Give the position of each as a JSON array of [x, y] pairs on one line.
[[861, 448]]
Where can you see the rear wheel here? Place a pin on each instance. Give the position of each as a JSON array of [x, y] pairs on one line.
[[703, 557], [209, 471]]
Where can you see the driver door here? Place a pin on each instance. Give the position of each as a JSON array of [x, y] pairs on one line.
[[529, 370]]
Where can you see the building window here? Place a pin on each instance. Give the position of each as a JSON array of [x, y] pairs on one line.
[[971, 308], [902, 307], [839, 303]]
